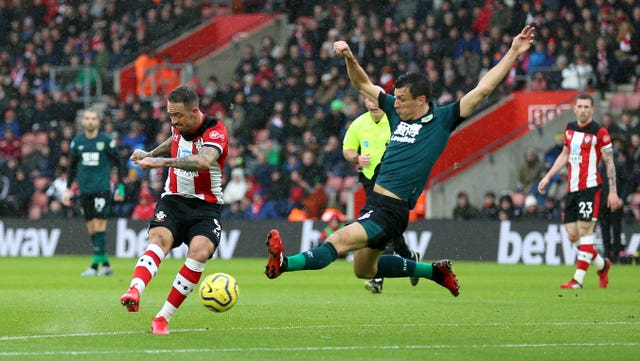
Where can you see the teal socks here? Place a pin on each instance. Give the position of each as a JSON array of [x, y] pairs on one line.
[[315, 258], [392, 266], [99, 249]]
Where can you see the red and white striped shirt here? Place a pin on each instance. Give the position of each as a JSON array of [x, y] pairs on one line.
[[585, 146], [204, 184]]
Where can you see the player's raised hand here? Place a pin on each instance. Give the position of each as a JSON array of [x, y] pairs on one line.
[[522, 42], [341, 48]]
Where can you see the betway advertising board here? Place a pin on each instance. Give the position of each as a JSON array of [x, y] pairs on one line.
[[528, 242]]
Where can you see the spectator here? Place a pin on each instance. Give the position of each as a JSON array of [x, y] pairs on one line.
[[235, 211], [10, 122], [604, 63], [609, 123], [18, 196], [334, 220], [236, 188], [506, 209], [529, 171], [10, 146], [260, 208], [531, 210], [577, 75], [145, 68], [464, 210], [143, 211], [167, 76], [489, 209], [550, 210]]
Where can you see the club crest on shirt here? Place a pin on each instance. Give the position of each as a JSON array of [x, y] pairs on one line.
[[160, 216], [427, 118], [587, 139], [100, 145]]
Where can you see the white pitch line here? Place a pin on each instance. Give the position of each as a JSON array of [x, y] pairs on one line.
[[284, 328], [322, 348]]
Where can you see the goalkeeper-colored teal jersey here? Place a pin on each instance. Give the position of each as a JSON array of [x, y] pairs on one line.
[[92, 161]]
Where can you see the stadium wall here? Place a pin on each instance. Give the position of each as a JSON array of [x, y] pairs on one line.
[[528, 242]]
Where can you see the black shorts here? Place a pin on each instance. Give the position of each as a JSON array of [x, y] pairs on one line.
[[582, 205], [96, 205], [187, 218], [385, 219]]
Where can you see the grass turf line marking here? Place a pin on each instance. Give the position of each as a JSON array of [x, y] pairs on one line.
[[496, 324], [91, 334], [324, 348]]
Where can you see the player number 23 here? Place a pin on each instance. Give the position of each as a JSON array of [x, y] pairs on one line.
[[586, 209]]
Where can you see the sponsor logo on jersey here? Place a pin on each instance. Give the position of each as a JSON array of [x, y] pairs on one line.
[[406, 132], [216, 136]]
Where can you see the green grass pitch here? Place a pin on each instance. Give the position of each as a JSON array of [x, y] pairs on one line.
[[504, 312]]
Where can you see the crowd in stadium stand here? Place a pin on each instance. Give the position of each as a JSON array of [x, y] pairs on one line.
[[290, 103]]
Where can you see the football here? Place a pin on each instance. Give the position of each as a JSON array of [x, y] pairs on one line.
[[219, 292]]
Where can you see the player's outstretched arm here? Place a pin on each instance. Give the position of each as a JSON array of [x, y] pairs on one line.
[[163, 149], [520, 44], [357, 75], [201, 161]]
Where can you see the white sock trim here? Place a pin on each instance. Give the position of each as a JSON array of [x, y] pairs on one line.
[[156, 249], [167, 311], [138, 283], [586, 240], [194, 265]]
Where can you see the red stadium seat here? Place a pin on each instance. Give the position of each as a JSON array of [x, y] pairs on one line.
[[633, 102], [28, 138], [618, 102]]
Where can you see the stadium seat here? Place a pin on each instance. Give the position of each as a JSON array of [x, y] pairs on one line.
[[633, 102], [617, 103], [40, 183], [635, 205], [28, 137]]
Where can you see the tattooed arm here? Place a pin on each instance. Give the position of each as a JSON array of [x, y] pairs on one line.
[[194, 162], [613, 201]]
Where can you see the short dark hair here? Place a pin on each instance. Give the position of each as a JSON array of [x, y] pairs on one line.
[[184, 94], [585, 96], [417, 83]]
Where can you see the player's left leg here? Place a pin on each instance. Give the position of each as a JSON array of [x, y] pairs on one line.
[[441, 272], [402, 249], [200, 250], [96, 228], [160, 242]]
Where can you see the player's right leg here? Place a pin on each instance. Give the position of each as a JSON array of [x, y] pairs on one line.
[[349, 238]]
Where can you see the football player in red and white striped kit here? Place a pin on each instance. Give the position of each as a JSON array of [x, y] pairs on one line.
[[189, 210], [585, 144]]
